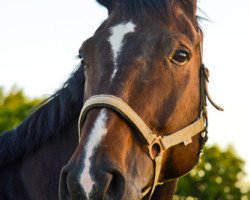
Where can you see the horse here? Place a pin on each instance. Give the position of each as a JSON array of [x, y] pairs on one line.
[[129, 121]]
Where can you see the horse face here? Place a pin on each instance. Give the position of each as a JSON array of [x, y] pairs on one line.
[[154, 67]]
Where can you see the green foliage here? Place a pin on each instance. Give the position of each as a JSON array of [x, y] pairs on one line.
[[218, 176], [14, 108]]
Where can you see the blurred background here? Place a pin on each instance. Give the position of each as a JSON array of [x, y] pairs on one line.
[[39, 41]]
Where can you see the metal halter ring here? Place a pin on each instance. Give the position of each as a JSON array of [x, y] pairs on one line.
[[155, 146]]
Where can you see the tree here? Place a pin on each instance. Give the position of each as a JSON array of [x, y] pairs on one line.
[[14, 107], [218, 176]]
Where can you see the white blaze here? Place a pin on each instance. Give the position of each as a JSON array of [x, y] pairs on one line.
[[97, 133], [116, 40]]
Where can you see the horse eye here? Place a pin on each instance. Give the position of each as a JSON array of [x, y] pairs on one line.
[[181, 57]]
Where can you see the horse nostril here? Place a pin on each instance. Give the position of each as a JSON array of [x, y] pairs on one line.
[[115, 185], [69, 188]]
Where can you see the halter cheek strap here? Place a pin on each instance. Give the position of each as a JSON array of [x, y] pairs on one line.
[[161, 143]]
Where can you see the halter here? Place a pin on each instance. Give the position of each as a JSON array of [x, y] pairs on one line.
[[161, 143], [153, 141]]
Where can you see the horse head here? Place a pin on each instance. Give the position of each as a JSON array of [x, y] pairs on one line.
[[147, 56]]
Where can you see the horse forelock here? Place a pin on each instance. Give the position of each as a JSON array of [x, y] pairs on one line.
[[163, 9]]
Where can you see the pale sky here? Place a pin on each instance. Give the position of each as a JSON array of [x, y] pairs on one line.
[[39, 40]]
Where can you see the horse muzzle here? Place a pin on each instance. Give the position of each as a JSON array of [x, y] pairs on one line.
[[109, 183]]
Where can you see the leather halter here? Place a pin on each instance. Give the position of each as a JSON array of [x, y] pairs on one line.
[[161, 143]]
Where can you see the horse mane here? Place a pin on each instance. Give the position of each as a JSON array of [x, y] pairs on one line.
[[49, 119]]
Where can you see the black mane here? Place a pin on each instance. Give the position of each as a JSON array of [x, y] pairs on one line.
[[51, 117]]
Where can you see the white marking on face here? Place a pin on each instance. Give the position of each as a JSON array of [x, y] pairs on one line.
[[116, 40], [98, 132]]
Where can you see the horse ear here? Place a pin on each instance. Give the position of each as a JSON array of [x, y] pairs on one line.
[[107, 3]]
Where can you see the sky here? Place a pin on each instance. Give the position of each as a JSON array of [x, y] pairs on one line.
[[39, 42]]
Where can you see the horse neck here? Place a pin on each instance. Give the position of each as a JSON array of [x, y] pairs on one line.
[[47, 162], [11, 184], [39, 172]]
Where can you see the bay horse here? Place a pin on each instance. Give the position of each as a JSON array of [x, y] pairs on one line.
[[140, 92]]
